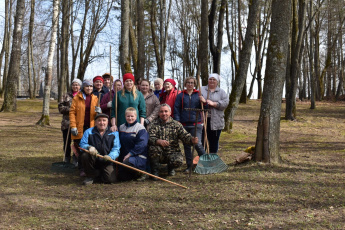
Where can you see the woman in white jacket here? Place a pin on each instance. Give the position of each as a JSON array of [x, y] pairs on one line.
[[216, 100]]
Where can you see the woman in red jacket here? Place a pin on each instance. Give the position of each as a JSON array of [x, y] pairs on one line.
[[168, 96]]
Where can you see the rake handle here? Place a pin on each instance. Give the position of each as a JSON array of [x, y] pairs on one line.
[[138, 170]]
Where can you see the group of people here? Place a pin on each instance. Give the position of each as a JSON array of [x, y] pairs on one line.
[[138, 126]]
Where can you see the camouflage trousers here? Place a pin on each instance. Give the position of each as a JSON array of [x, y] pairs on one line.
[[165, 155]]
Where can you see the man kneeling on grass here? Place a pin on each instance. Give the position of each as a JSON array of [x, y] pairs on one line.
[[164, 148], [100, 140]]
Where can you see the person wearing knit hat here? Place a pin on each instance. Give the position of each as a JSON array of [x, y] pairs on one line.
[[98, 86], [129, 96], [82, 116], [78, 81], [107, 80], [169, 94], [158, 83], [217, 101], [64, 107]]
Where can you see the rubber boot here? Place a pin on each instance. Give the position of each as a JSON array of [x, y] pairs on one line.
[[171, 171], [154, 168]]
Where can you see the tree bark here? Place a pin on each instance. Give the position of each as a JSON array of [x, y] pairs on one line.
[[296, 45], [29, 51], [204, 42], [268, 132], [241, 76], [124, 46], [49, 69], [10, 99], [141, 40]]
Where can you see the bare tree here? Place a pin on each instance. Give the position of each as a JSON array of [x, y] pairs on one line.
[[124, 46], [203, 58], [241, 75], [6, 44], [268, 132], [49, 69], [31, 74], [10, 99]]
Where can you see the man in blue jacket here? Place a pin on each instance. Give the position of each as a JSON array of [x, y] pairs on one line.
[[100, 140]]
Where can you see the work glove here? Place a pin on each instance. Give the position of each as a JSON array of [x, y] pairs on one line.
[[98, 109], [146, 122], [74, 131], [93, 151], [107, 158], [109, 104]]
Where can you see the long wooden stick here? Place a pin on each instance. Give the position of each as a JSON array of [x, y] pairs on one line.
[[204, 115], [138, 170]]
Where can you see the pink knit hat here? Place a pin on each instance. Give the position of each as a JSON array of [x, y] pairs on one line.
[[171, 81]]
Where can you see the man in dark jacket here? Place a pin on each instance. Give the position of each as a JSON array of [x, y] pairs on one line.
[[100, 140]]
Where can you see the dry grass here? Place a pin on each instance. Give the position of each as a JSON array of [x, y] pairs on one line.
[[306, 191]]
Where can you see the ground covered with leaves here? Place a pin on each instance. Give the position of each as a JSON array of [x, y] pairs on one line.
[[305, 191]]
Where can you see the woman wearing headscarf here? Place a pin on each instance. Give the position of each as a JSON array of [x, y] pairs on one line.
[[169, 94], [82, 114], [216, 100], [158, 84], [64, 108], [106, 102], [129, 96]]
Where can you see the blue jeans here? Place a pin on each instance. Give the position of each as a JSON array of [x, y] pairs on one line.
[[212, 137], [188, 148]]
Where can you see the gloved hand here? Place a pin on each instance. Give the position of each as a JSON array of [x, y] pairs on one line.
[[93, 151], [98, 109], [146, 122], [106, 157], [74, 131], [109, 104]]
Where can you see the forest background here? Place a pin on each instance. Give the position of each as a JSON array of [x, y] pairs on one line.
[[294, 45]]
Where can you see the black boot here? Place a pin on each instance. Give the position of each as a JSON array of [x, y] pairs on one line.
[[154, 168], [171, 171]]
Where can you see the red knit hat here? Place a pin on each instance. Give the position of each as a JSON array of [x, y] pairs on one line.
[[128, 76], [98, 78], [171, 81]]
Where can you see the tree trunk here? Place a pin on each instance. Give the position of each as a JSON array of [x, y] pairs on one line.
[[10, 99], [124, 46], [216, 50], [254, 12], [29, 51], [49, 69], [311, 58], [204, 42], [141, 40], [296, 45], [6, 43], [63, 76], [268, 131]]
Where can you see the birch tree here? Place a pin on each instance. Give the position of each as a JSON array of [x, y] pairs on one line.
[[49, 69], [10, 99]]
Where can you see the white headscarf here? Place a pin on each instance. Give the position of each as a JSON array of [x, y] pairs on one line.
[[215, 76]]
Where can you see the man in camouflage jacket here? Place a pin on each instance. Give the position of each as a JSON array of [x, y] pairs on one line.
[[164, 148]]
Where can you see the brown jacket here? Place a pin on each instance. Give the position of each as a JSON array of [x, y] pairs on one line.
[[77, 113], [64, 107], [152, 106]]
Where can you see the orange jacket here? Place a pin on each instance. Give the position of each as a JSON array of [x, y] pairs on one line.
[[77, 113]]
